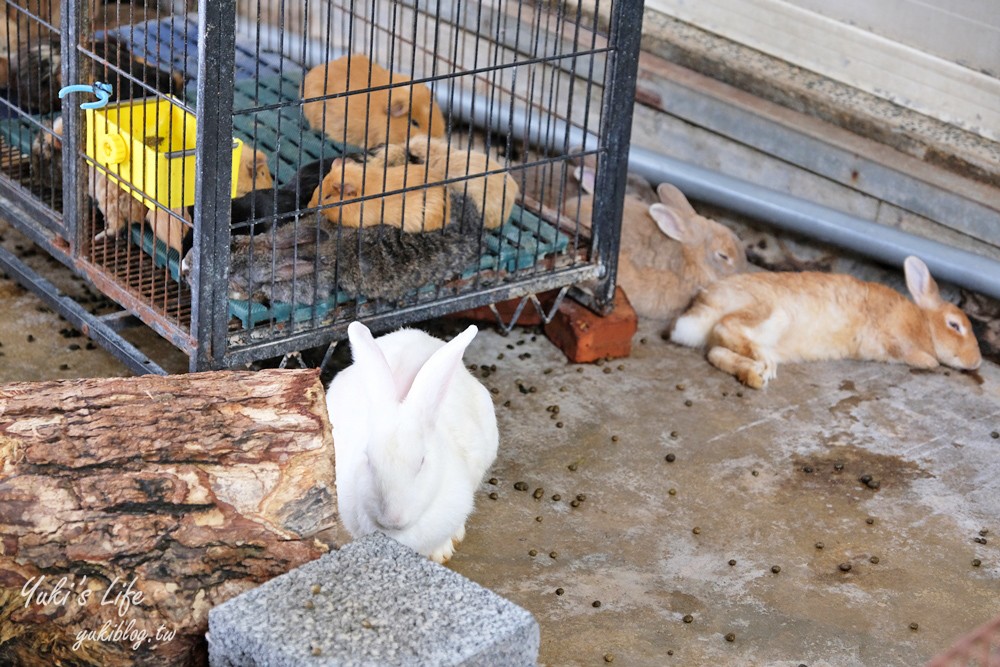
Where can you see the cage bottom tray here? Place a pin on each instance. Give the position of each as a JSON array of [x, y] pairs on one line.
[[517, 245]]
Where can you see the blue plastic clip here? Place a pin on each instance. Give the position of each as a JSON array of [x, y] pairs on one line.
[[102, 90]]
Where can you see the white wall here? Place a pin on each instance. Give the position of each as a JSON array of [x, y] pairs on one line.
[[966, 32], [818, 36]]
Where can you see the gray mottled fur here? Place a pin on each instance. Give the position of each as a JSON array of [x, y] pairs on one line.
[[376, 262]]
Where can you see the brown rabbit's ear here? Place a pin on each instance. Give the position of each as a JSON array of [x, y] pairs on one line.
[[675, 199], [671, 223], [398, 108], [922, 287], [300, 269], [586, 177], [290, 236]]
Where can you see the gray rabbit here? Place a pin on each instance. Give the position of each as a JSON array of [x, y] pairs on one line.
[[304, 263]]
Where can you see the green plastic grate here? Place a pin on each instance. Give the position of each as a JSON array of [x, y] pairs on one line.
[[267, 116]]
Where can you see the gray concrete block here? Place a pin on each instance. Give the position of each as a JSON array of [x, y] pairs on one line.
[[377, 603]]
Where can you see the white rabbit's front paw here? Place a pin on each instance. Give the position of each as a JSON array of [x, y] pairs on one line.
[[444, 553]]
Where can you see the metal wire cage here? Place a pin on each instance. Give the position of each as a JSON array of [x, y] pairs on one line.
[[267, 171]]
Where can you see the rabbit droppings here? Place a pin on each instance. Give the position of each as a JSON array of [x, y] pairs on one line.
[[664, 261], [751, 322], [391, 115], [414, 433]]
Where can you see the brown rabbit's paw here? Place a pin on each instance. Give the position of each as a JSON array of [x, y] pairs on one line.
[[768, 368], [751, 378], [920, 359]]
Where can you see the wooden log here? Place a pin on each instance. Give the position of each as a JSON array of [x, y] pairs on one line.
[[138, 504]]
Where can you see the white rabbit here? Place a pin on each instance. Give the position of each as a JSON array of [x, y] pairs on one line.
[[413, 435]]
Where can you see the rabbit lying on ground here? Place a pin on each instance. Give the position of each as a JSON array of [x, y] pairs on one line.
[[414, 433], [391, 115], [752, 322], [668, 252]]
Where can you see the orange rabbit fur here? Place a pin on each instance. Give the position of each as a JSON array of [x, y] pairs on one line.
[[420, 210], [253, 173], [751, 322], [168, 228], [493, 195], [391, 115]]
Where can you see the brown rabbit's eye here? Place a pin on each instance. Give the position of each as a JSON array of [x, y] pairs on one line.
[[956, 326], [723, 256]]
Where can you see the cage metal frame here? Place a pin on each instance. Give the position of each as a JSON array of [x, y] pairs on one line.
[[207, 341]]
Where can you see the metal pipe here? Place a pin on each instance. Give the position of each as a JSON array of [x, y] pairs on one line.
[[827, 225]]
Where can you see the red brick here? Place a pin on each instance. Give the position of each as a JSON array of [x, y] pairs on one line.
[[585, 336]]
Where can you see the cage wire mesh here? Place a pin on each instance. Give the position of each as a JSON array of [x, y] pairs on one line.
[[388, 159]]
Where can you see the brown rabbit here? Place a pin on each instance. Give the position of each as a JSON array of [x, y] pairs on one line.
[[752, 322], [253, 173], [167, 226], [420, 210], [493, 195], [387, 116], [668, 252]]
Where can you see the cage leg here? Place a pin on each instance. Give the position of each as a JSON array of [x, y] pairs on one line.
[[78, 317]]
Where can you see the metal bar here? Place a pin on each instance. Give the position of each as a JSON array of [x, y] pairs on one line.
[[886, 244], [616, 115], [397, 317], [119, 320], [77, 316], [108, 285], [900, 180], [34, 219], [76, 23], [213, 165], [826, 225]]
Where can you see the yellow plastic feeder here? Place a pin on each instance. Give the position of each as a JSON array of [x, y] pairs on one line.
[[150, 144]]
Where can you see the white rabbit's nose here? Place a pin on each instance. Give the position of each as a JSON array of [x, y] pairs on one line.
[[389, 520]]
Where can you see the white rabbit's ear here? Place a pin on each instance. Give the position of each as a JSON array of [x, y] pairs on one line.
[[671, 223], [675, 199], [586, 177], [375, 371], [922, 287], [435, 376]]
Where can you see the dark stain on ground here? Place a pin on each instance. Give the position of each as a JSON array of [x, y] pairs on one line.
[[845, 405], [976, 377], [853, 462], [923, 371], [847, 385]]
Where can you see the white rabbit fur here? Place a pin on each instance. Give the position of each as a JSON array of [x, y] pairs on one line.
[[413, 434]]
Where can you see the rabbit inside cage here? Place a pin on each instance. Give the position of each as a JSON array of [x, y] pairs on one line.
[[383, 153]]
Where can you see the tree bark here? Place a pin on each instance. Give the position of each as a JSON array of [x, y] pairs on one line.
[[194, 488]]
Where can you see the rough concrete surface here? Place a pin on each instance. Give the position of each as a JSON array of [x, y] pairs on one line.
[[924, 436], [756, 479], [373, 602]]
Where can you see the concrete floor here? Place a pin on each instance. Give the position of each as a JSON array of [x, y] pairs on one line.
[[756, 480], [756, 473]]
